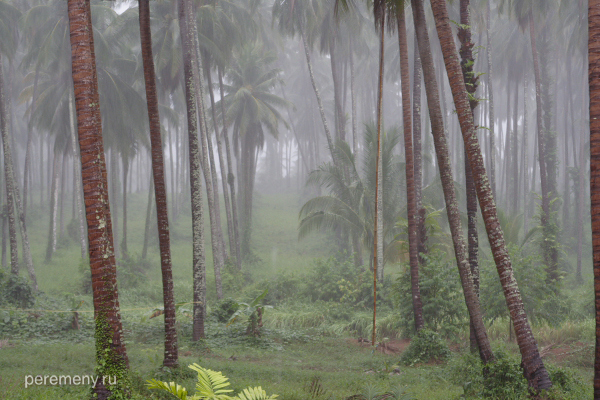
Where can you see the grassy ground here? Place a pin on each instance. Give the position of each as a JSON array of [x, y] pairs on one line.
[[301, 347]]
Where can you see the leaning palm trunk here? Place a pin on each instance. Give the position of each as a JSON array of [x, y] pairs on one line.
[[410, 171], [199, 266], [330, 144], [158, 172], [441, 150], [111, 356], [467, 61], [27, 167], [533, 366], [212, 197], [594, 87]]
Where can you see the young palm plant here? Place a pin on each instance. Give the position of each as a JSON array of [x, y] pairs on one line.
[[349, 204], [211, 385]]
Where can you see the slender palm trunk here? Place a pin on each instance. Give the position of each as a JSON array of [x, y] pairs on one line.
[[27, 167], [377, 255], [77, 179], [443, 161], [158, 173], [540, 134], [199, 267], [8, 181], [125, 181], [230, 180], [111, 355], [492, 149], [533, 366], [418, 159], [212, 197], [353, 99], [52, 236], [594, 88], [222, 166], [410, 171], [149, 213], [330, 143], [467, 62]]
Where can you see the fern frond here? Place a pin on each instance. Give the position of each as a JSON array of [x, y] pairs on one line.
[[176, 390], [254, 393], [211, 383]]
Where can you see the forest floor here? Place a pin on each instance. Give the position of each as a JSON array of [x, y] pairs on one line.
[[294, 358]]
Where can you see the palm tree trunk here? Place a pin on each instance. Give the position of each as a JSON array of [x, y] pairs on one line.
[[377, 255], [158, 173], [212, 197], [353, 99], [125, 177], [443, 161], [467, 62], [77, 179], [111, 355], [533, 366], [27, 167], [149, 214], [222, 166], [52, 236], [199, 267], [330, 143], [492, 149], [231, 180], [540, 135], [8, 181], [526, 194], [417, 152], [594, 88], [410, 171]]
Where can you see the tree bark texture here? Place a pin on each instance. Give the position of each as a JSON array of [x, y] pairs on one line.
[[594, 88], [199, 266], [110, 347], [533, 366], [160, 192], [9, 184], [410, 171], [441, 150]]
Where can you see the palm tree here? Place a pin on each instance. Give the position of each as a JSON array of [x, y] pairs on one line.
[[410, 167], [293, 17], [111, 354], [171, 353], [198, 261], [441, 150], [594, 88], [251, 108], [8, 16], [349, 203], [467, 62], [533, 366]]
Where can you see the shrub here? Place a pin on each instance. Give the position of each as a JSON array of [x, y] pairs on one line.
[[15, 290], [425, 346], [444, 308], [504, 378], [224, 310]]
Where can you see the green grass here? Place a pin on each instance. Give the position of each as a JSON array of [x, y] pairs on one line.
[[303, 342]]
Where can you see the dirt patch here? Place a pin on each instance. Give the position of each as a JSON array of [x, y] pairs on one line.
[[395, 346], [560, 353]]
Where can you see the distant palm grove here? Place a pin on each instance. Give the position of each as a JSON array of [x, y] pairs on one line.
[[324, 199]]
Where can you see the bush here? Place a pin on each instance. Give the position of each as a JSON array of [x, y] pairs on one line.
[[224, 310], [444, 308], [15, 290], [426, 346]]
